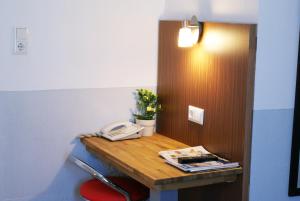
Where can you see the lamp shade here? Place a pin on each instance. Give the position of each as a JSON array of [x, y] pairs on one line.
[[195, 35], [189, 33], [185, 38]]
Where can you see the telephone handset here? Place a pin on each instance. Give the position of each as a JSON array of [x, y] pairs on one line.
[[121, 130]]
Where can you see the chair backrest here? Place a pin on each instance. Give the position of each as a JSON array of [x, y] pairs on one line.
[[99, 176]]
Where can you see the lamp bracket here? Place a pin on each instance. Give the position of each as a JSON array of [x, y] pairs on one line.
[[194, 22]]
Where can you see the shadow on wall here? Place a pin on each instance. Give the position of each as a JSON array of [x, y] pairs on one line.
[[37, 134], [65, 184]]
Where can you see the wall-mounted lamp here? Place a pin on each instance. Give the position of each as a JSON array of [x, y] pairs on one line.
[[189, 33]]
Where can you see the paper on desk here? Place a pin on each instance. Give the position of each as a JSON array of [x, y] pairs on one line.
[[172, 155]]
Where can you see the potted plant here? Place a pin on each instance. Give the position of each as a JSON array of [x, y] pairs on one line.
[[147, 108]]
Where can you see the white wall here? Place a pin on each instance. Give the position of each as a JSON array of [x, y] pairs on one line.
[[213, 10], [277, 51], [80, 44]]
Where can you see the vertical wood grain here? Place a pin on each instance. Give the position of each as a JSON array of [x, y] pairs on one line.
[[217, 75]]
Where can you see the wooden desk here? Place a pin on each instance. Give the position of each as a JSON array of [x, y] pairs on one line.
[[140, 160]]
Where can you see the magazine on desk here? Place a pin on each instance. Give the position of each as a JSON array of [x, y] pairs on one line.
[[171, 157]]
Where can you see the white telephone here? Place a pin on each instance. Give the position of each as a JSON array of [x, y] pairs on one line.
[[121, 130]]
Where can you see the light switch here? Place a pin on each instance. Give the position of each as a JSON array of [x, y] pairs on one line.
[[21, 40], [196, 114]]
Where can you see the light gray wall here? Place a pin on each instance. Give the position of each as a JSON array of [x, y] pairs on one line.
[[38, 131], [277, 47], [271, 149]]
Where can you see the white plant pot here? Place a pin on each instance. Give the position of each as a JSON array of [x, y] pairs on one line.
[[149, 127]]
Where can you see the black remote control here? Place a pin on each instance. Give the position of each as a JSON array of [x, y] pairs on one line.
[[197, 159]]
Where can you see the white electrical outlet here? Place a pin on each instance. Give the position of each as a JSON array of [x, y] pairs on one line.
[[196, 114], [21, 40]]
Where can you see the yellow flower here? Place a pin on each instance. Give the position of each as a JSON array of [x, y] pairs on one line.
[[149, 109]]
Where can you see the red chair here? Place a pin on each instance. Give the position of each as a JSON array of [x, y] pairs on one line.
[[111, 188]]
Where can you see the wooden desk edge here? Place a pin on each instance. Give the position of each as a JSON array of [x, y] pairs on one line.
[[189, 180]]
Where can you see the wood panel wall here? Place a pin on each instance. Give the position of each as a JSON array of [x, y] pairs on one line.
[[217, 75]]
